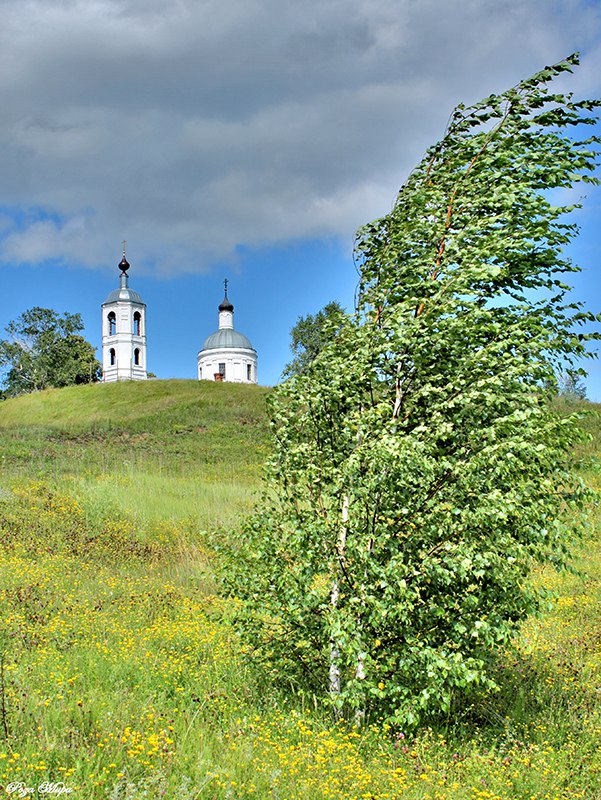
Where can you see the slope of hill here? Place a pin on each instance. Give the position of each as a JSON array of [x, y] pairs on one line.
[[153, 405], [122, 676], [167, 449]]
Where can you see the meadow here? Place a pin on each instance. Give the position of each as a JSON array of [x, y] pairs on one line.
[[121, 676]]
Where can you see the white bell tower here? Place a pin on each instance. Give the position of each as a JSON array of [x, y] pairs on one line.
[[123, 332]]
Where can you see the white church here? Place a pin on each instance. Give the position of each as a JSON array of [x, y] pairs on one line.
[[226, 354]]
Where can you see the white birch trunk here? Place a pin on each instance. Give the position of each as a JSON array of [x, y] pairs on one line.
[[334, 595]]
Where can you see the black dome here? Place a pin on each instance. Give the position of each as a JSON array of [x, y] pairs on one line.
[[225, 304]]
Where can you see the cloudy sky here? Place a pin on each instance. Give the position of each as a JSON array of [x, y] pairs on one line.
[[245, 139]]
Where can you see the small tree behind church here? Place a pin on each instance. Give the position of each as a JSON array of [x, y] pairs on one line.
[[310, 335], [420, 470]]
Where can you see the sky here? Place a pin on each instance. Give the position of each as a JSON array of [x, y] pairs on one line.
[[242, 139]]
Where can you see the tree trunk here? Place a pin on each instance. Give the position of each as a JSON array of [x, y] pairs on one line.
[[334, 595]]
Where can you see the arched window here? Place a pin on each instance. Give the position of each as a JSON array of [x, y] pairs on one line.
[[112, 320], [249, 372], [137, 357], [137, 323], [112, 356]]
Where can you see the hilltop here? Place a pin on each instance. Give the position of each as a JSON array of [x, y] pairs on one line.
[[133, 403]]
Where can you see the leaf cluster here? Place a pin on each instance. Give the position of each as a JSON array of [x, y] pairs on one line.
[[44, 350], [310, 335], [420, 470]]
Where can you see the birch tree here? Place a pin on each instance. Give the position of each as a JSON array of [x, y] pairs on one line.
[[419, 469]]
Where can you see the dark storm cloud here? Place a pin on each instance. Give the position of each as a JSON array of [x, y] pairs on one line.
[[192, 127]]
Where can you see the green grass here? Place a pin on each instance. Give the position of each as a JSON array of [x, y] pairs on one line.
[[158, 449], [157, 495], [120, 670], [116, 405]]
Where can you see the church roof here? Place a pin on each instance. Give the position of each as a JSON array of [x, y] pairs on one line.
[[225, 304], [124, 293], [226, 338]]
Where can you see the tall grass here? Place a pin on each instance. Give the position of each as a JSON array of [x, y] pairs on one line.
[[121, 676], [158, 495], [160, 449]]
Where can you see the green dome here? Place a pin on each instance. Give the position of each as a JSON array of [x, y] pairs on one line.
[[226, 338]]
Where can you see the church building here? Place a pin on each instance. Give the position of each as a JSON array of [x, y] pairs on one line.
[[123, 332], [227, 355]]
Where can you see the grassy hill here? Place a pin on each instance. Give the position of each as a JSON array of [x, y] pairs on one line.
[[157, 449], [132, 405], [121, 674]]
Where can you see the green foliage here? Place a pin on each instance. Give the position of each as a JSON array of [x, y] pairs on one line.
[[310, 335], [420, 469], [123, 677], [44, 350]]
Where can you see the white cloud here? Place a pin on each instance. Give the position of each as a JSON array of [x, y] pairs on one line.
[[191, 127]]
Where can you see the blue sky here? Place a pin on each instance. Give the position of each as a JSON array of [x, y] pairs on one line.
[[245, 139]]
